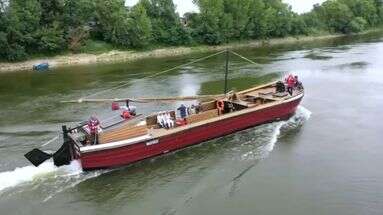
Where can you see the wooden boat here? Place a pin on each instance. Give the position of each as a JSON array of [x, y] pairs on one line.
[[140, 138]]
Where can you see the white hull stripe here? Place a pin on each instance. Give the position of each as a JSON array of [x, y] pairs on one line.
[[117, 144]]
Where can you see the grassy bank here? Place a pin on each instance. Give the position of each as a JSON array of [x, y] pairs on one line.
[[115, 56]]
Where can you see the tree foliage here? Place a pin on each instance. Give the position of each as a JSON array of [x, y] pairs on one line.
[[29, 27], [140, 27], [166, 24]]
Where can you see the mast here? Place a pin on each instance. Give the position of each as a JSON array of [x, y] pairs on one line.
[[226, 70]]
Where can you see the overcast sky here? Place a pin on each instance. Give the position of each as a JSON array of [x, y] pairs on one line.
[[184, 6], [301, 6]]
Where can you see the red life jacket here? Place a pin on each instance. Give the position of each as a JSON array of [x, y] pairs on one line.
[[290, 81], [126, 114]]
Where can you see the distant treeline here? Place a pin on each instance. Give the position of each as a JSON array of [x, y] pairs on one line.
[[30, 27]]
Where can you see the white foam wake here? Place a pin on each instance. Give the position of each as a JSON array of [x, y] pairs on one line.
[[273, 131], [274, 137], [29, 173], [301, 115]]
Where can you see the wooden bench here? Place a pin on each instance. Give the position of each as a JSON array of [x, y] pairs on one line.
[[202, 116], [207, 106], [123, 133]]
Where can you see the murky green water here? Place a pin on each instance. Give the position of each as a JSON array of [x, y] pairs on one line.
[[329, 163]]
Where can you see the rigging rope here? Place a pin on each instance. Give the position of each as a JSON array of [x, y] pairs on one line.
[[245, 58], [123, 84], [50, 141]]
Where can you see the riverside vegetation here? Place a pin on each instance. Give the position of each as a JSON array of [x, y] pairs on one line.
[[30, 28]]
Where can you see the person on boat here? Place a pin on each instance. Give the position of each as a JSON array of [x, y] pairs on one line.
[[130, 108], [280, 87], [169, 120], [160, 120], [94, 127], [164, 122], [230, 107], [127, 111], [183, 111], [198, 108], [298, 84], [192, 110], [290, 84], [126, 114]]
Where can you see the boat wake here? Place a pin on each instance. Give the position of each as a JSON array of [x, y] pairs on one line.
[[302, 114], [47, 174], [26, 174], [267, 135]]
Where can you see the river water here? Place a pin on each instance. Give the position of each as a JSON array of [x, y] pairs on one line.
[[327, 159]]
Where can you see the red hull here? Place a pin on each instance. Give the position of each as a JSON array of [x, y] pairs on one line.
[[129, 154]]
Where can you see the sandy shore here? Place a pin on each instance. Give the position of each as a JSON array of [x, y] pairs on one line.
[[126, 56]]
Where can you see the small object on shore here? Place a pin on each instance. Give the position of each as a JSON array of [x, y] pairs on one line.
[[41, 67]]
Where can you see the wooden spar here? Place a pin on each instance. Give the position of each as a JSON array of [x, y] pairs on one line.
[[226, 70], [148, 100]]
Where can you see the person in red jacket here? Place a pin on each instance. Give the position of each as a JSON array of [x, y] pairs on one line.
[[290, 84], [94, 126]]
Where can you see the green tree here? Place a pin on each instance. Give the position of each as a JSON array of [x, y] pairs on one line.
[[379, 8], [298, 25], [239, 12], [166, 23], [281, 16], [365, 9], [23, 18], [140, 27], [3, 31], [50, 39], [112, 19], [257, 26], [51, 12], [358, 24], [336, 15], [313, 21], [211, 12], [227, 27], [77, 20], [78, 13]]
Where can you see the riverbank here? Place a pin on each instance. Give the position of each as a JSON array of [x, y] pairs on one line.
[[128, 56]]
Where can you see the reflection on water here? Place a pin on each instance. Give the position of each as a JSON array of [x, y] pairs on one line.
[[329, 160]]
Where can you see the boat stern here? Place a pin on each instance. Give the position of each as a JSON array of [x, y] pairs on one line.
[[61, 157]]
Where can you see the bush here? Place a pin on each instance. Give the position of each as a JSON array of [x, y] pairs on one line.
[[16, 52], [96, 47], [50, 39], [77, 38], [357, 25]]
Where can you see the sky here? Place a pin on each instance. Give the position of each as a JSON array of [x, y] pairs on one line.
[[301, 6], [183, 6]]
